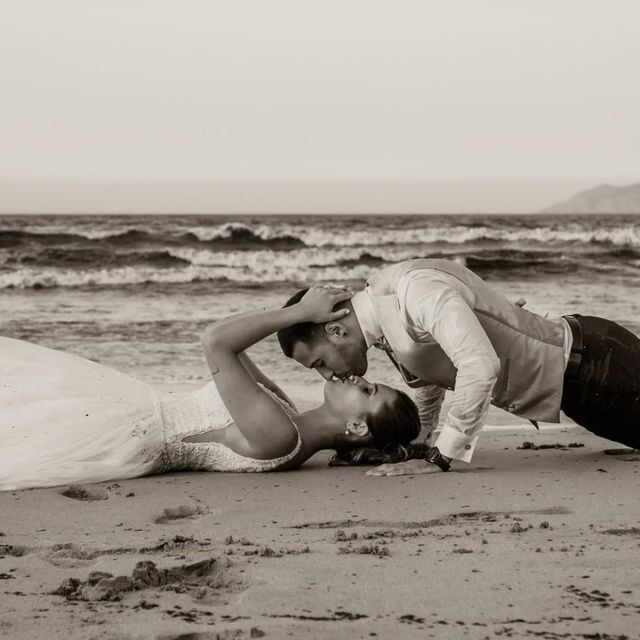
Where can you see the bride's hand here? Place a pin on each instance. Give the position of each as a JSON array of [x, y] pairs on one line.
[[320, 300]]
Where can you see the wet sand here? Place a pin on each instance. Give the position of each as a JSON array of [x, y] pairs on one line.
[[526, 542]]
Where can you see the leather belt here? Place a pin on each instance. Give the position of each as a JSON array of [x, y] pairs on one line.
[[577, 348]]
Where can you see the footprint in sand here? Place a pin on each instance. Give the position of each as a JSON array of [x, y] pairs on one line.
[[206, 635], [85, 492], [14, 550], [450, 519], [179, 513], [206, 578], [69, 555]]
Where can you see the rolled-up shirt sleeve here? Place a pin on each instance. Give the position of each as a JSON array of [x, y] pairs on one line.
[[437, 308]]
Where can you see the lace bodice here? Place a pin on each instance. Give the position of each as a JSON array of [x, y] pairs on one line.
[[188, 414]]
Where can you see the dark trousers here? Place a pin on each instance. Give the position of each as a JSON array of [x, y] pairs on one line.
[[603, 394]]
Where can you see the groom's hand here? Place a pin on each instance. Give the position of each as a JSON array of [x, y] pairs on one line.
[[408, 468], [320, 300]]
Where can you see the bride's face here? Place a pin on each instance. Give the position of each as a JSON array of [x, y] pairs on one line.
[[355, 397]]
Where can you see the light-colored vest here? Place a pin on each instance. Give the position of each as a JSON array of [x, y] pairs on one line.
[[530, 347]]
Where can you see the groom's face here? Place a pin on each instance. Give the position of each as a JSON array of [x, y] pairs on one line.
[[332, 355]]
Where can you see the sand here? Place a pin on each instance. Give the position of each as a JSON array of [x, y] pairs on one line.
[[523, 543]]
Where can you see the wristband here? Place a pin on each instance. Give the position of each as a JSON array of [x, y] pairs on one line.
[[435, 457]]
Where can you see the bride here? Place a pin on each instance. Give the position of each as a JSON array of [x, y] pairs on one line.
[[64, 419]]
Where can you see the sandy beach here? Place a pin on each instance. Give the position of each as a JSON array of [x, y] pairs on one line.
[[526, 542]]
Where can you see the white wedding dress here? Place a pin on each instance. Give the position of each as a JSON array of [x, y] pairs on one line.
[[64, 419]]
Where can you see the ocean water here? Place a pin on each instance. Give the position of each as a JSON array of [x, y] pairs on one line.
[[134, 292]]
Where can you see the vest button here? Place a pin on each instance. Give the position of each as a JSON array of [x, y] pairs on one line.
[[467, 447]]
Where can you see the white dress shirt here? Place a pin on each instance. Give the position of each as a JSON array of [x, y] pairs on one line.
[[436, 304]]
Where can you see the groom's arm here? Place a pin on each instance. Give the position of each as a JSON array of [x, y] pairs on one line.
[[429, 400], [436, 308]]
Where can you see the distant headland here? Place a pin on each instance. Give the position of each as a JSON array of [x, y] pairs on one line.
[[604, 198]]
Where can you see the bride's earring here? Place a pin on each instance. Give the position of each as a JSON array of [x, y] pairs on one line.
[[347, 432]]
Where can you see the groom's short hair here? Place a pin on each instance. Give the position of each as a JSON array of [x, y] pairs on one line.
[[305, 332]]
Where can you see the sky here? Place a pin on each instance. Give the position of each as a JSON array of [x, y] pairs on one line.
[[286, 105]]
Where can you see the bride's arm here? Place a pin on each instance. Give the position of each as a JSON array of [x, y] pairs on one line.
[[242, 330], [260, 418], [261, 377]]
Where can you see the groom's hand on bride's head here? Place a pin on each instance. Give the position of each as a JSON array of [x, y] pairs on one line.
[[408, 468]]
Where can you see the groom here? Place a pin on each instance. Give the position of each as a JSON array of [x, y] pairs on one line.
[[445, 328]]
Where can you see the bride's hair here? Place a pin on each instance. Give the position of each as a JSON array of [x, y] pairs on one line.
[[396, 422], [392, 428], [373, 456]]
